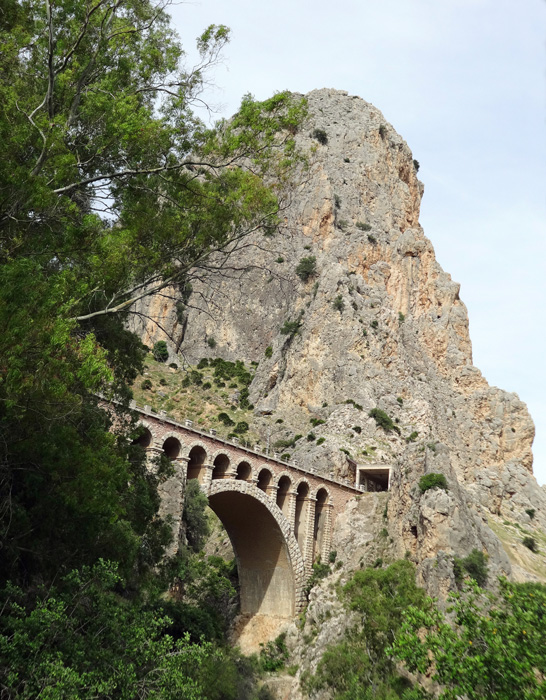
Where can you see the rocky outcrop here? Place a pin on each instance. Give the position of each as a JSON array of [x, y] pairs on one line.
[[377, 324]]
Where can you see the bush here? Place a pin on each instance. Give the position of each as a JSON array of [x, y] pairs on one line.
[[355, 404], [316, 421], [291, 327], [338, 303], [383, 420], [268, 351], [412, 437], [357, 429], [530, 512], [161, 351], [146, 385], [225, 419], [163, 381], [307, 268], [372, 239], [173, 365], [311, 437], [320, 441], [337, 201], [401, 318], [273, 655], [241, 427], [374, 324], [320, 135], [382, 131], [400, 400], [211, 342], [196, 377], [475, 565], [433, 481], [280, 259], [203, 363], [285, 456], [363, 226], [530, 543], [320, 571], [416, 165]]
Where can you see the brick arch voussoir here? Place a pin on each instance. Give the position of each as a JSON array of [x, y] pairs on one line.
[[294, 551], [279, 476], [195, 443], [149, 426], [221, 451], [303, 480], [238, 460], [321, 487], [176, 436]]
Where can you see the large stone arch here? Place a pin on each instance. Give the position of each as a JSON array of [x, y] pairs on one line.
[[270, 564]]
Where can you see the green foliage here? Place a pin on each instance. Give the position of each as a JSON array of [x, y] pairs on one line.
[[225, 419], [307, 268], [321, 440], [161, 351], [475, 565], [320, 571], [280, 259], [382, 131], [338, 303], [82, 641], [268, 351], [433, 481], [412, 437], [374, 324], [211, 342], [146, 385], [241, 427], [356, 405], [357, 429], [196, 377], [530, 543], [337, 201], [285, 456], [203, 363], [332, 556], [311, 437], [530, 512], [363, 226], [194, 516], [316, 421], [173, 365], [400, 400], [290, 328], [494, 649], [274, 654], [383, 420], [359, 668], [320, 135], [416, 165], [401, 318], [372, 239]]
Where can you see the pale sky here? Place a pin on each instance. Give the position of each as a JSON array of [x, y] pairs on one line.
[[464, 83]]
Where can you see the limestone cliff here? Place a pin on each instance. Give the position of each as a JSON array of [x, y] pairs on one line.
[[377, 324]]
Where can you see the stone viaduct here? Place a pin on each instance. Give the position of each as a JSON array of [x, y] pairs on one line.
[[278, 516]]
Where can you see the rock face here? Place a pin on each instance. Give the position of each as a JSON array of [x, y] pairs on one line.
[[379, 324]]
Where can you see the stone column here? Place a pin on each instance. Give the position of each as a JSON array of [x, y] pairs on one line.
[[206, 477], [327, 535], [171, 492], [271, 491], [151, 454], [290, 508], [307, 554]]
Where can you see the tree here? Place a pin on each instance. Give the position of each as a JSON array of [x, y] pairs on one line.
[[360, 668], [495, 648], [110, 190]]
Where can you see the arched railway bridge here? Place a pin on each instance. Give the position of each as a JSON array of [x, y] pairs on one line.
[[278, 515]]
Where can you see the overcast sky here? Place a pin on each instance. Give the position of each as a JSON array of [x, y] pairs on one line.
[[464, 83]]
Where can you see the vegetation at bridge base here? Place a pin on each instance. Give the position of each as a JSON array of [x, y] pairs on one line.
[[359, 667], [97, 129]]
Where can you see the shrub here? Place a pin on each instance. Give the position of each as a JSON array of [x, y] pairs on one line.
[[146, 385], [374, 324], [207, 385], [382, 131], [346, 160], [268, 351], [307, 268], [161, 351], [285, 456], [241, 427], [280, 259], [273, 655], [412, 437], [203, 363], [225, 419], [400, 400], [320, 135], [338, 303], [332, 556], [355, 404], [311, 437], [363, 226], [163, 381], [279, 420], [530, 512], [372, 239], [211, 342], [433, 481], [320, 571], [342, 224], [320, 441], [383, 420], [316, 421], [337, 201], [401, 318], [475, 565], [416, 165], [173, 365], [357, 429], [530, 543], [291, 327], [196, 377], [186, 382]]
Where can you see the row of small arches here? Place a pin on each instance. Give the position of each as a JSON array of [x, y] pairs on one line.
[[277, 487]]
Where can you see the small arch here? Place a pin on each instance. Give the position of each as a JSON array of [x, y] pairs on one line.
[[300, 519], [319, 530], [171, 447], [221, 466], [196, 464], [144, 438], [244, 471], [265, 479], [283, 487]]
